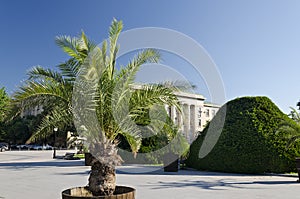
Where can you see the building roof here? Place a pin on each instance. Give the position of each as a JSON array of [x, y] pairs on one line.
[[210, 104], [190, 95]]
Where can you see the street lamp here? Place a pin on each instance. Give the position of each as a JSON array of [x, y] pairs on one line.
[[54, 148]]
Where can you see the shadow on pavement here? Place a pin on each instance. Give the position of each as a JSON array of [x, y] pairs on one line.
[[85, 173], [158, 170], [215, 185], [60, 163]]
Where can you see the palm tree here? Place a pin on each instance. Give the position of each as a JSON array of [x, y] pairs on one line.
[[118, 106], [291, 128], [101, 98]]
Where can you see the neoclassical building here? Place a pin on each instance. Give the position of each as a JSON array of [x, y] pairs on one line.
[[195, 114], [32, 111]]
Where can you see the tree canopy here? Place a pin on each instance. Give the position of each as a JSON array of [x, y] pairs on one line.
[[249, 141], [4, 103]]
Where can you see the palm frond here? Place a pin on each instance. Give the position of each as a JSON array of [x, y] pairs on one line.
[[134, 142], [149, 95], [128, 73], [39, 73], [86, 45], [84, 42], [123, 80], [295, 115], [104, 52], [70, 46], [86, 92], [289, 130], [292, 140], [179, 85], [114, 32], [70, 69], [38, 91], [57, 118]]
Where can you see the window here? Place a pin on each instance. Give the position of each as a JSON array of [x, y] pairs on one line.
[[213, 112], [199, 113], [207, 113], [199, 123]]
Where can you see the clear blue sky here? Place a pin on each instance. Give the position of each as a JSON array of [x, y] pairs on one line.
[[255, 44]]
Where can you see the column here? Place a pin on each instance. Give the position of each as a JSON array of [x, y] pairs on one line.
[[173, 114], [179, 120], [186, 122], [192, 123]]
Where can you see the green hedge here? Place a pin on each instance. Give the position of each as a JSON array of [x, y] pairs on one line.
[[248, 142]]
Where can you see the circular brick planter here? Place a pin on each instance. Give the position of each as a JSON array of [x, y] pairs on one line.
[[121, 192]]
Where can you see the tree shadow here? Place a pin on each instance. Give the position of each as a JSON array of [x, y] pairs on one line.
[[84, 173], [215, 185], [59, 163], [158, 170]]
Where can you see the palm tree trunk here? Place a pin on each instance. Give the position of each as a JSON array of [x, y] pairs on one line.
[[102, 180]]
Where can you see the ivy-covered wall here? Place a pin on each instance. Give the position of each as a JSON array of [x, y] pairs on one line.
[[248, 142]]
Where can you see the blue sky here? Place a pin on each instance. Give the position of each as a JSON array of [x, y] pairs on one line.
[[255, 44]]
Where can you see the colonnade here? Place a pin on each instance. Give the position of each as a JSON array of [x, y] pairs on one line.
[[187, 120]]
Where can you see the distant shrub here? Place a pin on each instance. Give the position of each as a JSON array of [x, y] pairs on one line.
[[248, 142]]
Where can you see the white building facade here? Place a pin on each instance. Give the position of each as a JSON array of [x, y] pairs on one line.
[[192, 119], [195, 114], [32, 111]]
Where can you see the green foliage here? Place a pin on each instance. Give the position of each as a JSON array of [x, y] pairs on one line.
[[81, 156], [154, 147], [18, 130], [4, 110], [290, 129], [249, 142], [4, 104]]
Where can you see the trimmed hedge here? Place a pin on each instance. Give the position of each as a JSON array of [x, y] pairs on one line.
[[248, 142]]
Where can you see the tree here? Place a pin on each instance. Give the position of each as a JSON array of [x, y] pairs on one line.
[[101, 88], [4, 104], [291, 128], [4, 109], [120, 107], [247, 143]]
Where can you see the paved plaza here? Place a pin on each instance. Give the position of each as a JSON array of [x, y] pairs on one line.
[[34, 174]]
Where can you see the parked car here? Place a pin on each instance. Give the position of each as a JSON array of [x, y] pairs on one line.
[[41, 147], [36, 147], [14, 147], [47, 147], [3, 147], [23, 147]]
